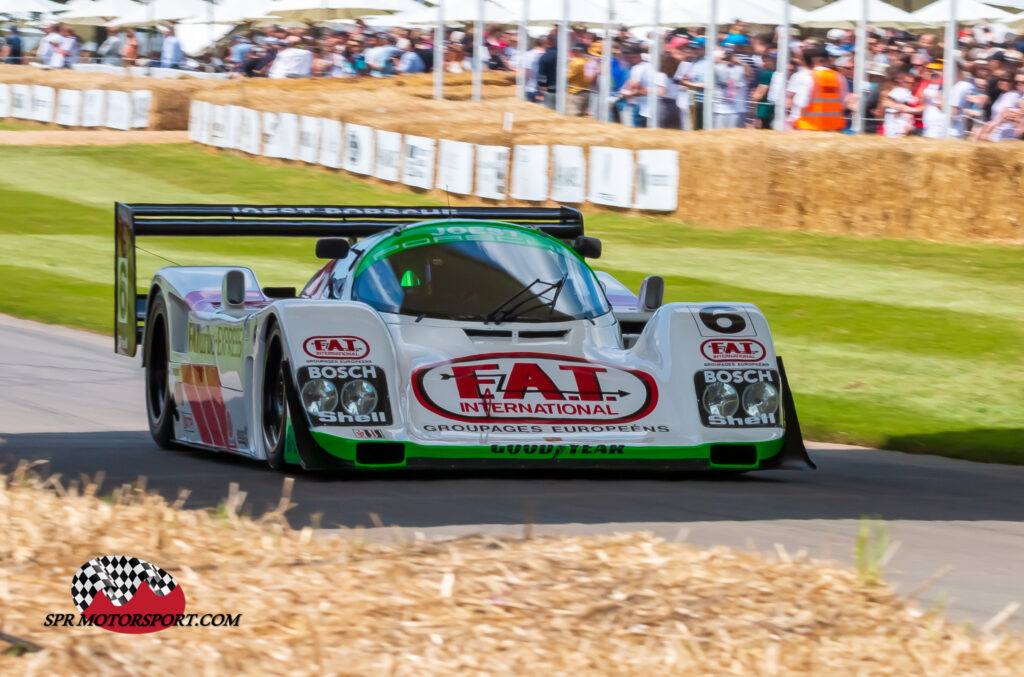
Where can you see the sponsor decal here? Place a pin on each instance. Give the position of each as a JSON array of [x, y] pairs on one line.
[[356, 371], [560, 429], [739, 421], [368, 434], [556, 450], [129, 595], [336, 347], [228, 341], [242, 436], [341, 418], [739, 376], [733, 350], [418, 212], [200, 340], [534, 388]]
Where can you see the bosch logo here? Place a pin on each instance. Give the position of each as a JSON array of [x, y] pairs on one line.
[[733, 350], [336, 347]]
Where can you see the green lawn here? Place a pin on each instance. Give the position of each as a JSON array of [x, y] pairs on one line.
[[907, 345], [13, 126]]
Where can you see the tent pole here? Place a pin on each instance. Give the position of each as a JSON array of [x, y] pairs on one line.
[[782, 68], [859, 65], [563, 60], [949, 68], [439, 52], [710, 45], [654, 60]]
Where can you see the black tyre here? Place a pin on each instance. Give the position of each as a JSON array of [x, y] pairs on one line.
[[274, 401], [156, 352]]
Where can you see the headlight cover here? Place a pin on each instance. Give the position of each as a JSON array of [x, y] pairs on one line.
[[720, 399], [358, 397], [760, 399], [319, 396]]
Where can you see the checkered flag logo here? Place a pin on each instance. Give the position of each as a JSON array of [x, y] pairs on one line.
[[119, 578]]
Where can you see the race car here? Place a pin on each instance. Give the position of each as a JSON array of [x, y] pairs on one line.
[[439, 337]]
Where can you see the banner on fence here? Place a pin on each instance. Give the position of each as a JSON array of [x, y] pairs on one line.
[[418, 170], [330, 143], [271, 136], [455, 167], [119, 110], [5, 100], [611, 176], [530, 173], [357, 153], [309, 139], [69, 107], [389, 155], [250, 131], [141, 98], [657, 180], [21, 102], [195, 117], [492, 172], [569, 169], [288, 136], [234, 129], [43, 99], [93, 104], [219, 133]]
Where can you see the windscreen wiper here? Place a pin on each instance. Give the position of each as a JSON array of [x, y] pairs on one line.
[[517, 304]]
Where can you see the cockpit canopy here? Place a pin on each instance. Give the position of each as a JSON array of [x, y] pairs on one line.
[[480, 272]]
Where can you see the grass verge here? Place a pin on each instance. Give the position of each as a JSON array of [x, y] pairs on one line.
[[901, 344], [312, 603]]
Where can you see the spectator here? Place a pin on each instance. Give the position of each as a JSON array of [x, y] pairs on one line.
[[531, 63], [693, 78], [547, 78], [633, 104], [12, 52], [933, 120], [764, 115], [820, 95], [237, 52], [171, 54], [130, 51], [51, 38], [579, 96], [410, 61], [496, 57], [900, 106], [109, 51], [730, 99], [65, 51], [292, 62], [1006, 112], [668, 92]]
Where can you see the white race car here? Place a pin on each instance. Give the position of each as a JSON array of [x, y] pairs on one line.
[[441, 338]]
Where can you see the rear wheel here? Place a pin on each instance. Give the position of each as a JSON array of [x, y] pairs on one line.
[[159, 403], [274, 402]]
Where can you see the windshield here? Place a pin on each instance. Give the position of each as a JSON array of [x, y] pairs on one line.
[[478, 273]]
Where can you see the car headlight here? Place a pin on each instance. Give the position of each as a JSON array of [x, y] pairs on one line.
[[760, 398], [319, 396], [720, 399], [358, 397]]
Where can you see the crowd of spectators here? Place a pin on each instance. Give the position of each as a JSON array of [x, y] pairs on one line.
[[902, 93]]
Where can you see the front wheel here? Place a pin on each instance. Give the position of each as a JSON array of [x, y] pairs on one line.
[[159, 403], [274, 402]]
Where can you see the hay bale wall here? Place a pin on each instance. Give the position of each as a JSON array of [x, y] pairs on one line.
[[168, 108], [943, 190]]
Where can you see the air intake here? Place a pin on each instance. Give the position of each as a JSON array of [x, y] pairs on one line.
[[380, 453]]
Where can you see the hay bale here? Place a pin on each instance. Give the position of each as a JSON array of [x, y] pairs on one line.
[[170, 98], [315, 603]]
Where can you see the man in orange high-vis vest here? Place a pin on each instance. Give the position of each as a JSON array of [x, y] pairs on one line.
[[819, 99]]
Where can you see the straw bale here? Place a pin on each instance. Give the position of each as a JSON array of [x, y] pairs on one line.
[[170, 100], [334, 604], [930, 189]]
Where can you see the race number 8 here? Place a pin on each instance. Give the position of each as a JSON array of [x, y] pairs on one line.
[[723, 319]]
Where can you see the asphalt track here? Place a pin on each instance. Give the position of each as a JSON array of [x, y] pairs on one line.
[[66, 398]]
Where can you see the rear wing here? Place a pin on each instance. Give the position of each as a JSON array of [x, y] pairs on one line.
[[133, 220]]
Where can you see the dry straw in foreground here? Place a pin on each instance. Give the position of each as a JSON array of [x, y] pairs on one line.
[[627, 604]]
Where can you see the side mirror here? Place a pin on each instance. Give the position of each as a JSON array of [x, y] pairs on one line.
[[587, 247], [332, 248], [233, 289], [652, 293]]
